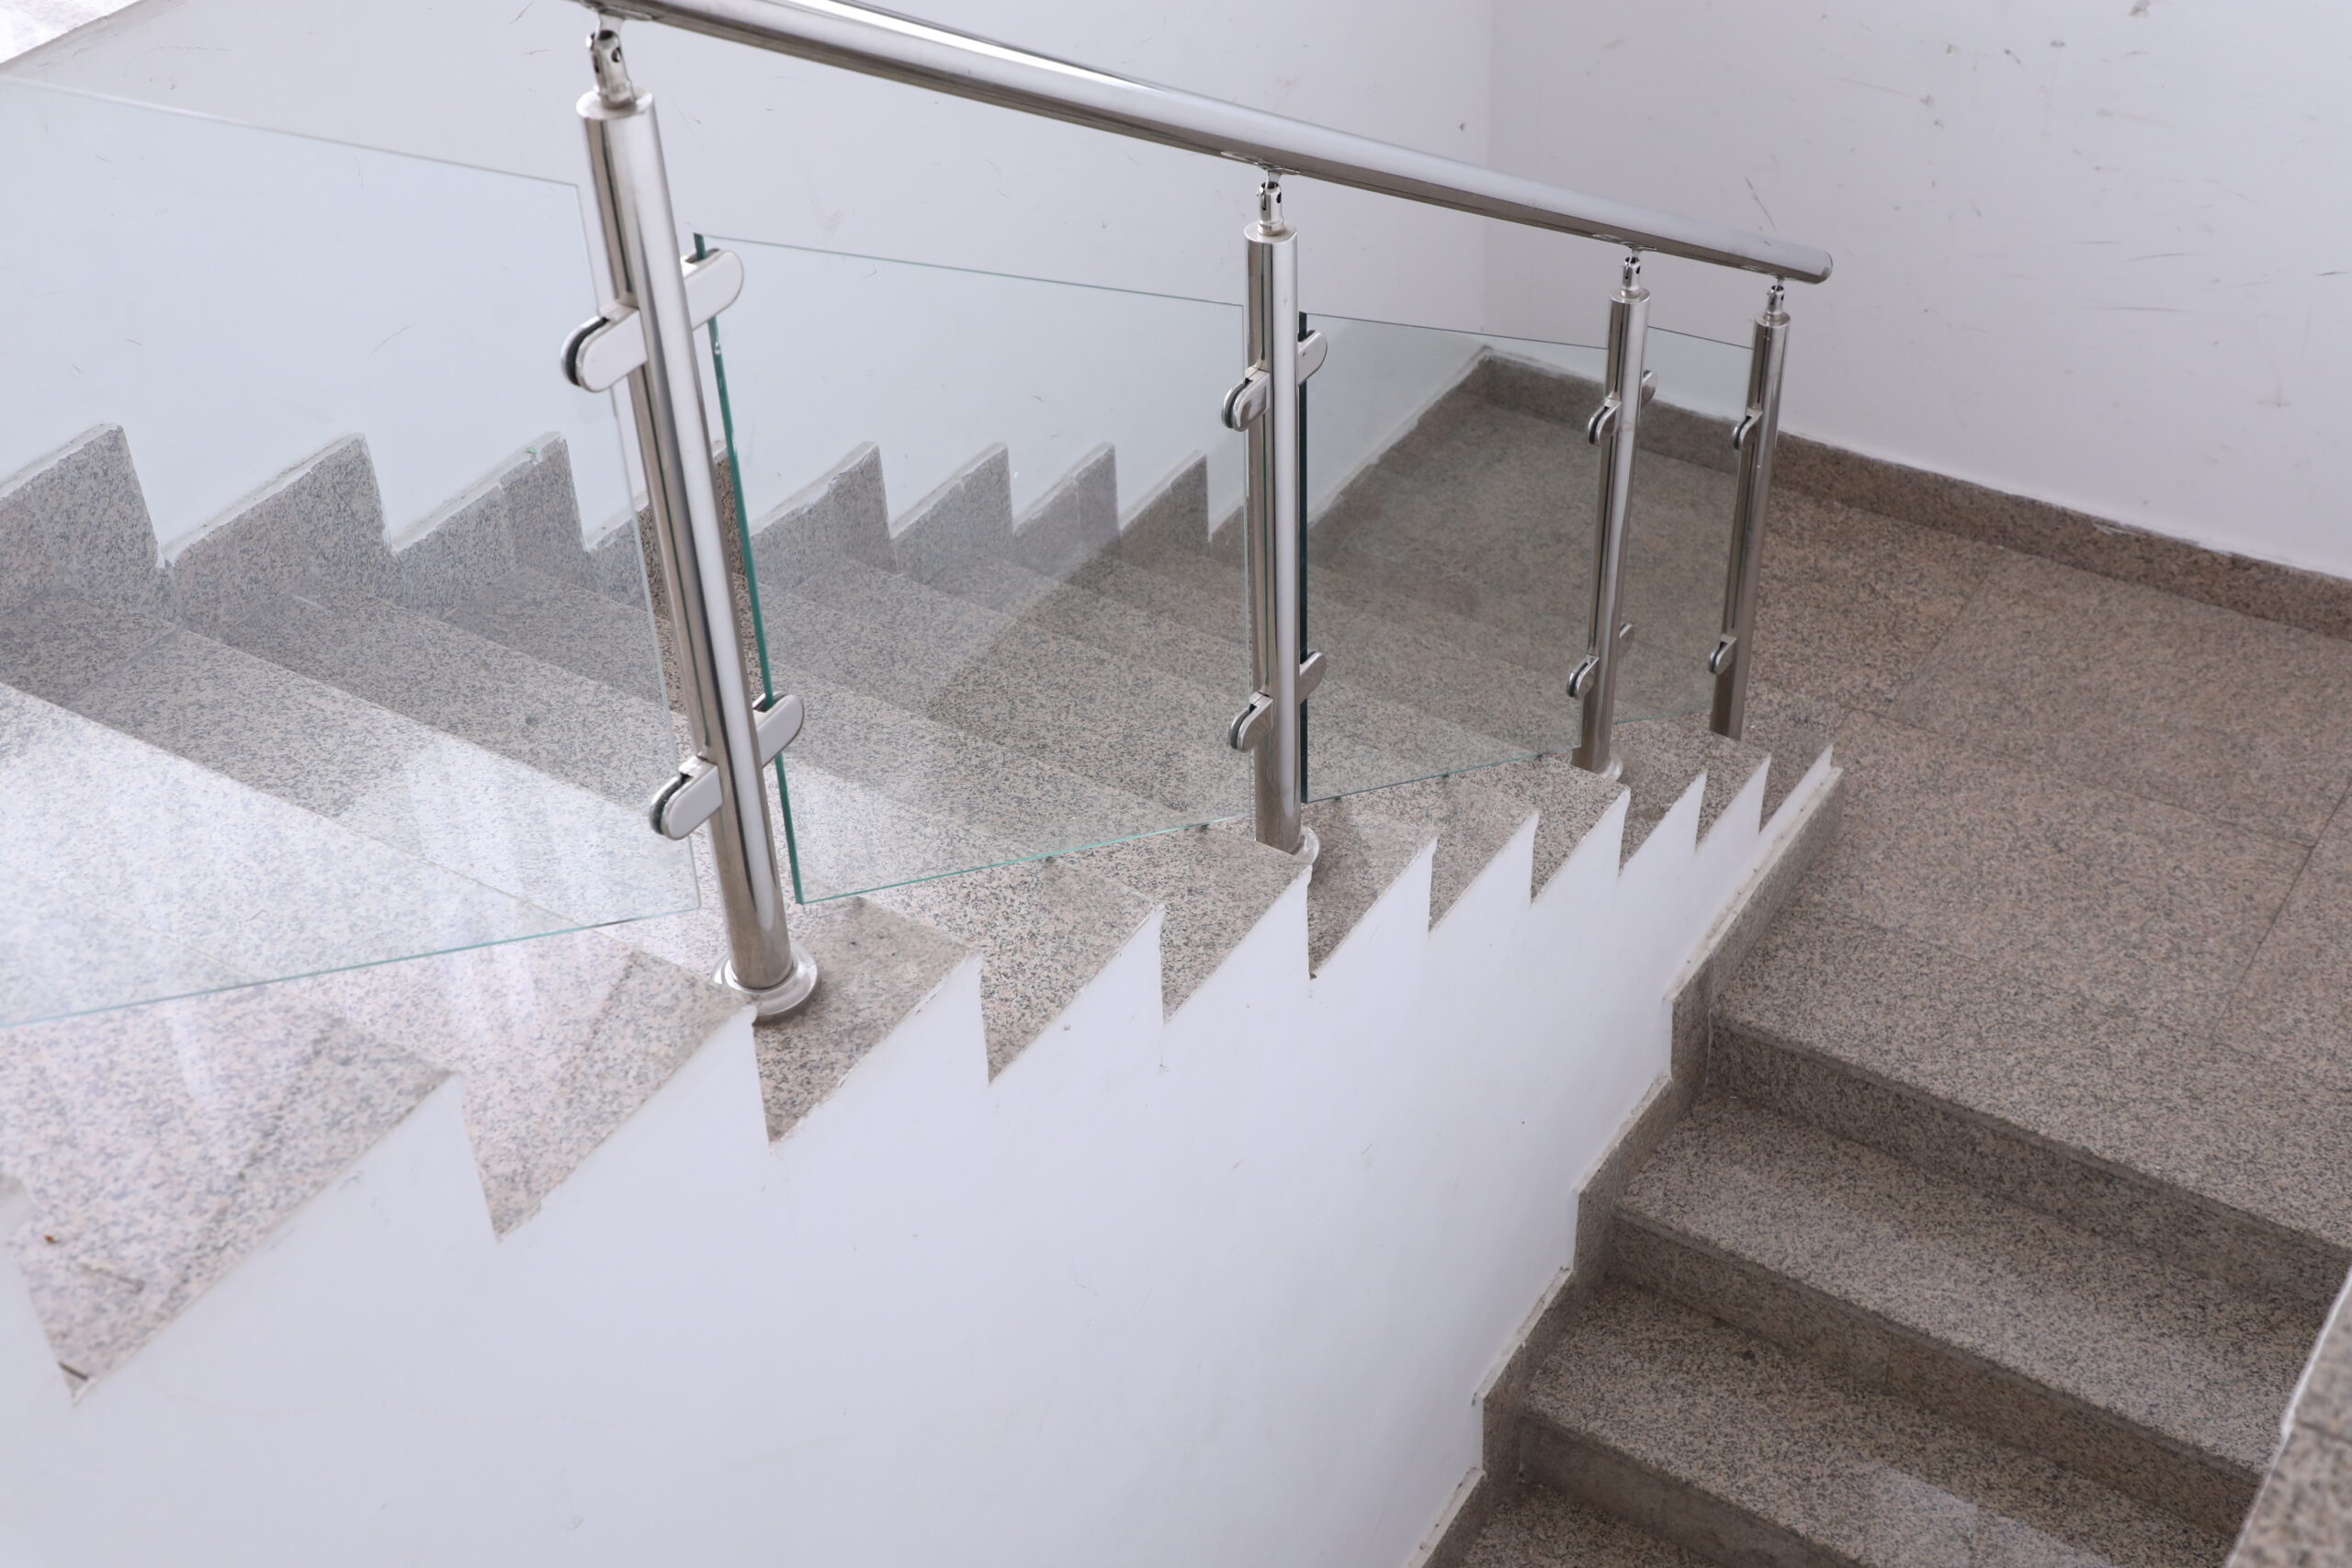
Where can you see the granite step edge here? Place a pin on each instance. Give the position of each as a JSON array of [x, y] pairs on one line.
[[1805, 1027], [1743, 1451], [2184, 1421], [2033, 1169], [1889, 1356], [1356, 725], [992, 667], [1535, 1526]]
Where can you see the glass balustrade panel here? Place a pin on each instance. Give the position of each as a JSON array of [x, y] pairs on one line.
[[1679, 526], [1450, 493], [323, 633], [977, 512]]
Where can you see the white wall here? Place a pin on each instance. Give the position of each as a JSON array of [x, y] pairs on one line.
[[762, 147], [1220, 1292], [2099, 255], [2091, 256], [238, 299], [765, 148]]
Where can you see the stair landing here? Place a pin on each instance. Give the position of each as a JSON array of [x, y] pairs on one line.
[[2017, 1196]]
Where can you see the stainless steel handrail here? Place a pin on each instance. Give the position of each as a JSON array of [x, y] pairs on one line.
[[880, 43]]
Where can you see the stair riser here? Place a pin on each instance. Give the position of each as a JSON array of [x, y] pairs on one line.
[[2187, 1231], [1691, 1518], [2098, 1443]]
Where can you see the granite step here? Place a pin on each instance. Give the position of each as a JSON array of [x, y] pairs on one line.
[[888, 614], [1742, 1452], [1350, 719], [1174, 523], [1486, 507], [1519, 706], [1368, 840], [1214, 884], [1133, 729], [62, 954], [2157, 1137], [536, 679], [1504, 673], [1535, 1527], [1043, 926], [1014, 804], [1471, 816], [562, 623], [159, 1146], [2094, 1353], [441, 799], [549, 720], [224, 874], [1661, 756]]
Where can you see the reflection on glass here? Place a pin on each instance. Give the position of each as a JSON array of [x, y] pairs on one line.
[[1450, 546], [977, 508], [306, 659], [1680, 526]]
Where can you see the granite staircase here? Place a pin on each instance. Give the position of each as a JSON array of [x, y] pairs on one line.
[[2007, 1207], [291, 704]]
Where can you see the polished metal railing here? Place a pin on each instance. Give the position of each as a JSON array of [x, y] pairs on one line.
[[650, 331], [877, 43], [647, 333], [1757, 432]]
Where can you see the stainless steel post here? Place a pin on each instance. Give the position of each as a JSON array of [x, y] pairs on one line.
[[674, 445], [1615, 427], [1755, 436], [1270, 525]]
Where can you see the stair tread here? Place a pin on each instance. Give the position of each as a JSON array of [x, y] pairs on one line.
[[1471, 816], [1096, 714], [60, 954], [2192, 1359], [1535, 1527], [1491, 504], [1663, 755], [443, 676], [564, 624], [1012, 803], [925, 652], [234, 875], [1044, 927], [161, 1144], [1867, 1478], [1362, 853], [2180, 1108], [1514, 705], [1213, 883], [402, 782], [1569, 801], [1412, 740]]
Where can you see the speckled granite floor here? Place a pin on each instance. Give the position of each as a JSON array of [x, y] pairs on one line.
[[2021, 1189]]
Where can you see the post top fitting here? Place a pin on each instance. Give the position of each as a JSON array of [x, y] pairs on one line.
[[613, 85], [1271, 224], [1633, 272]]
